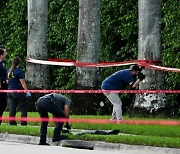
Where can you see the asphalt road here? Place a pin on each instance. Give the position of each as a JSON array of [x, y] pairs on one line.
[[19, 148]]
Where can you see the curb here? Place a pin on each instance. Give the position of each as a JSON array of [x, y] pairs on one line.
[[19, 138], [135, 148], [79, 144], [105, 146], [91, 145]]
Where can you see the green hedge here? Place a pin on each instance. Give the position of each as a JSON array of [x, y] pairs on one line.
[[119, 37]]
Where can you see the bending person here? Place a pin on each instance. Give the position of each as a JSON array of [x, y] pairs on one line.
[[16, 82], [59, 106], [119, 81]]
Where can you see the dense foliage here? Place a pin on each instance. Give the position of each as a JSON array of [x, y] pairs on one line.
[[119, 35], [170, 49]]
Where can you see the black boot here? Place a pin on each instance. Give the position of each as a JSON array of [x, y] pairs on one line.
[[44, 143], [13, 123], [62, 137]]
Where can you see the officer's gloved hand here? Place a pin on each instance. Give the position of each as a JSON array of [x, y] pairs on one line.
[[67, 126], [141, 76], [28, 94]]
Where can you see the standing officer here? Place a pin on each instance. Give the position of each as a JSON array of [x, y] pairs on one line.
[[59, 106], [16, 82], [119, 81], [3, 81]]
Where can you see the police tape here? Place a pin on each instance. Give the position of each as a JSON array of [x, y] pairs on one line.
[[62, 62], [159, 68], [93, 121], [95, 91], [79, 64], [43, 62], [150, 64], [155, 62]]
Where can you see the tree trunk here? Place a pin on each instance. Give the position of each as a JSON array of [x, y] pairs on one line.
[[37, 75], [88, 50], [150, 49]]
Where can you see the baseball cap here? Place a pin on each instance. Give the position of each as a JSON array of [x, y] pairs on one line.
[[134, 68]]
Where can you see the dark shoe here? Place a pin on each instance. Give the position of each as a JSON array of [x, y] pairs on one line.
[[13, 123], [65, 131], [62, 137], [23, 123], [44, 144], [113, 132]]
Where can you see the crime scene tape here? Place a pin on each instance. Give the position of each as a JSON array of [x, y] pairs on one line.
[[93, 121], [159, 68], [79, 64], [101, 64], [155, 62], [95, 91], [43, 62], [146, 63]]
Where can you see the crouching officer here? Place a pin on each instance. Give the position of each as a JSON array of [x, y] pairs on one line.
[[59, 106]]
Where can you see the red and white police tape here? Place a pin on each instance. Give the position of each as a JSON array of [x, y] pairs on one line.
[[79, 64], [146, 63], [150, 64], [93, 121], [95, 91]]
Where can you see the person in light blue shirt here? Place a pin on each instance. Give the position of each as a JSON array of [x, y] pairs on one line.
[[119, 81]]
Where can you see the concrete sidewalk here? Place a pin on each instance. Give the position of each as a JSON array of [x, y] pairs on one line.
[[93, 145]]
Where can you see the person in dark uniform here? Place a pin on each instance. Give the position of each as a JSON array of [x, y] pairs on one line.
[[16, 82], [3, 81], [59, 106]]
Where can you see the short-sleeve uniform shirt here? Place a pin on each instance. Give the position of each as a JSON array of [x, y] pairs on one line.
[[14, 82], [118, 81], [60, 100]]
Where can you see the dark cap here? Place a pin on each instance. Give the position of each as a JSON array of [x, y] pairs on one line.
[[134, 68]]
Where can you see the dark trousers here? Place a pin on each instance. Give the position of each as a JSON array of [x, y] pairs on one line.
[[17, 100], [44, 106], [3, 103]]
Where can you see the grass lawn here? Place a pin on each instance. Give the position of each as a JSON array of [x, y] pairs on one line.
[[153, 135]]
